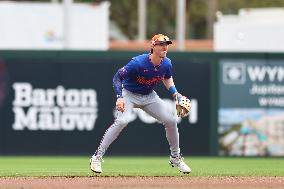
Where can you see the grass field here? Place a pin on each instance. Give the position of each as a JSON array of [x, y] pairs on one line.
[[138, 166]]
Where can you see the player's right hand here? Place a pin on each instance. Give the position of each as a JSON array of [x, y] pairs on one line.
[[120, 104]]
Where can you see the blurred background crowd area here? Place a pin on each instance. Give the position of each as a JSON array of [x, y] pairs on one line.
[[161, 17]]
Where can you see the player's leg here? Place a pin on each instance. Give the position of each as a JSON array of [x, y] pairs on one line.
[[158, 110], [111, 134], [115, 128]]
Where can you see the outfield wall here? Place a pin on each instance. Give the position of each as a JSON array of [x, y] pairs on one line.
[[61, 102]]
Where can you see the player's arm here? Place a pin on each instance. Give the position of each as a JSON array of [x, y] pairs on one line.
[[169, 82], [170, 85], [123, 73], [117, 85], [182, 102]]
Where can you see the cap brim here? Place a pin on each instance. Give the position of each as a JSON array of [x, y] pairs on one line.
[[168, 42]]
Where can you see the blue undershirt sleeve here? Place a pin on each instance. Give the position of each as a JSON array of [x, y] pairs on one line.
[[123, 73], [117, 84]]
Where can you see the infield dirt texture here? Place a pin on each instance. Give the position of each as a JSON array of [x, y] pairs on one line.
[[141, 182]]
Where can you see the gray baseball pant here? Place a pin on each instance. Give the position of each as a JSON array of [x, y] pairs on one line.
[[151, 104]]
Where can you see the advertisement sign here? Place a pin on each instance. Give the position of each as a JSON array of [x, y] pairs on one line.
[[63, 104], [53, 109], [251, 107]]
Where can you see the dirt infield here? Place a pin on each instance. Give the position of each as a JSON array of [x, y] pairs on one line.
[[140, 182]]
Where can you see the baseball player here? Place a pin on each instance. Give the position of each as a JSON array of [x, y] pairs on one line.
[[133, 85]]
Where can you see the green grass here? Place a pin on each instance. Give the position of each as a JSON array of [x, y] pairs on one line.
[[139, 166]]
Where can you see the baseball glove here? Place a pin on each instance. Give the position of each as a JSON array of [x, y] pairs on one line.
[[182, 105]]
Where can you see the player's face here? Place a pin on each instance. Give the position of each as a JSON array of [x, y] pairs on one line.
[[161, 50]]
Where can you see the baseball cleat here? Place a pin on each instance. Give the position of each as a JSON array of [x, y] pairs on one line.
[[96, 164], [180, 164]]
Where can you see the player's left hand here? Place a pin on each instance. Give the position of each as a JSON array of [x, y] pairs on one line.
[[182, 105], [120, 105]]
